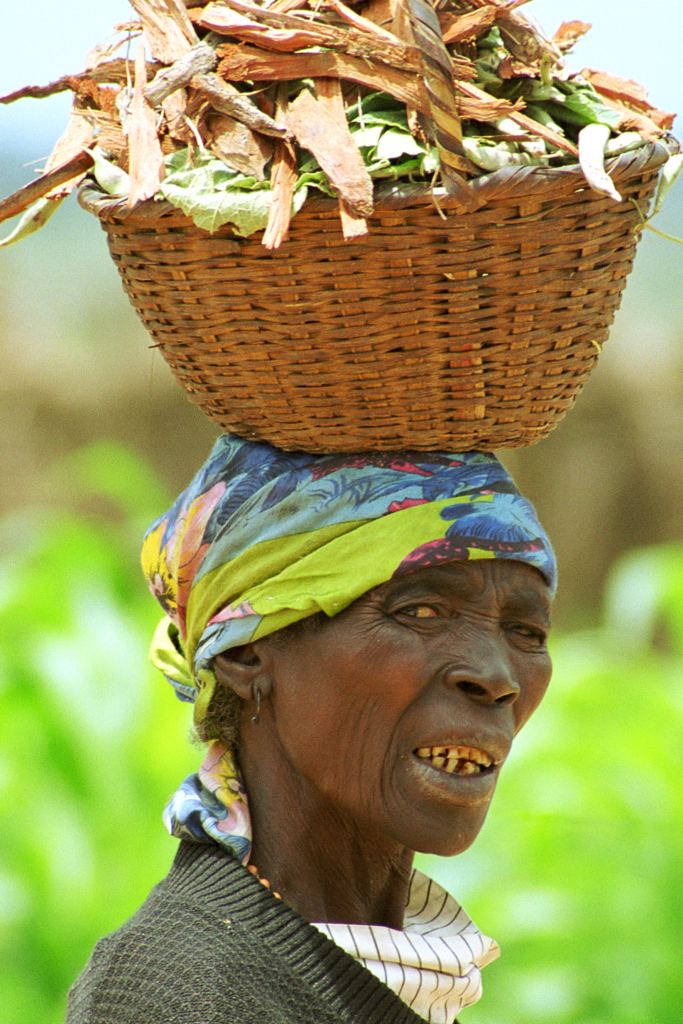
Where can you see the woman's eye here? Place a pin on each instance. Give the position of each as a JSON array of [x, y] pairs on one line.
[[419, 611], [531, 633]]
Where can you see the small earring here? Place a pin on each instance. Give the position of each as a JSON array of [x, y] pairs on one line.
[[256, 717]]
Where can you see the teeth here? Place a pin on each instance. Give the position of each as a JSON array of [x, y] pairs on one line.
[[460, 760]]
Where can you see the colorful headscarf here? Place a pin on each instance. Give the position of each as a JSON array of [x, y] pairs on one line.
[[262, 538]]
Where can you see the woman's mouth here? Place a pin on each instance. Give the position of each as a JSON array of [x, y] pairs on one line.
[[456, 760]]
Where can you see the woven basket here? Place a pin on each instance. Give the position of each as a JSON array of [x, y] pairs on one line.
[[476, 331]]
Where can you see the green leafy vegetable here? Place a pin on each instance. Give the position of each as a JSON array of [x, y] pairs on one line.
[[669, 176], [368, 137], [33, 219], [580, 104], [494, 157], [212, 194], [394, 144], [109, 177]]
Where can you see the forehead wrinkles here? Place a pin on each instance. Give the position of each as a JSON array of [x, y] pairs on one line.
[[423, 581], [465, 579], [528, 601]]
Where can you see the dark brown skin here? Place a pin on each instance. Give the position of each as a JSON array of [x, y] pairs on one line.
[[451, 655]]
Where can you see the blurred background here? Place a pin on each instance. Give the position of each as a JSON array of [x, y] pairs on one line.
[[579, 869]]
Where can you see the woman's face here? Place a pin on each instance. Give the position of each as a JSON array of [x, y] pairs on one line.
[[401, 710]]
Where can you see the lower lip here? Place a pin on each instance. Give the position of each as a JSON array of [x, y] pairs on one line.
[[471, 789]]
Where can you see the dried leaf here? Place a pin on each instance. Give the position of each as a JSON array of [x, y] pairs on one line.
[[175, 107], [416, 124], [569, 33], [320, 126], [283, 179], [284, 175], [167, 27], [629, 120], [77, 137], [381, 12], [238, 146], [352, 41], [243, 63], [461, 27], [146, 158], [353, 226], [225, 21], [629, 95], [623, 89], [523, 40], [358, 21], [110, 136], [626, 119], [284, 6], [347, 47], [104, 51], [511, 68]]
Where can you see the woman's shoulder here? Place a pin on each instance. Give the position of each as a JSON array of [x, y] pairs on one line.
[[168, 961], [211, 945]]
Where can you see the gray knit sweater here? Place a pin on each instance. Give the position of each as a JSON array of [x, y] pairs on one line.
[[211, 945]]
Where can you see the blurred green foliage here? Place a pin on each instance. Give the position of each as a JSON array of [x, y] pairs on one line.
[[578, 871], [92, 741]]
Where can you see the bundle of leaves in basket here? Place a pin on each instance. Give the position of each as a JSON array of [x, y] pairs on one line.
[[397, 224]]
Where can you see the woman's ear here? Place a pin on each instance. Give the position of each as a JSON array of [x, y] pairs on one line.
[[242, 669]]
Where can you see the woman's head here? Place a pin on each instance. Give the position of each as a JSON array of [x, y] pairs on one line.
[[380, 606], [262, 539], [398, 713]]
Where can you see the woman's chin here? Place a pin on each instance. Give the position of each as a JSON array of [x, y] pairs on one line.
[[444, 814], [439, 831], [448, 839], [449, 845]]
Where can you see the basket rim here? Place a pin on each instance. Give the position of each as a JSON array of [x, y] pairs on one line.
[[525, 180]]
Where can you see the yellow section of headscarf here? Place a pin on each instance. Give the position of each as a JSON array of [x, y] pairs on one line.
[[166, 653]]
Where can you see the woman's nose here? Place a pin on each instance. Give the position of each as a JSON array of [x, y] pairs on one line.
[[484, 676]]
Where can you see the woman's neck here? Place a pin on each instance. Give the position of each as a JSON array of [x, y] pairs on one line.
[[323, 866]]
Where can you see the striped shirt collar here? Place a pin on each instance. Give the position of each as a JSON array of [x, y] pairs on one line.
[[434, 964]]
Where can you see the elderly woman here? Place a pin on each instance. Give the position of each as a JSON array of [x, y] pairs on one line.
[[362, 637]]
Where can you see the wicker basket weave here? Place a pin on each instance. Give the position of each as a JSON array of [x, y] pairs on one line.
[[476, 331]]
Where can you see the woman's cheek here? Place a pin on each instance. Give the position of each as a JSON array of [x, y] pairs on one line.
[[533, 690]]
